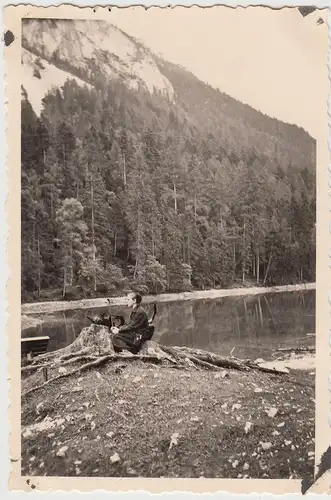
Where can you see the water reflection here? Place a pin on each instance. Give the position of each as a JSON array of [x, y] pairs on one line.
[[253, 325]]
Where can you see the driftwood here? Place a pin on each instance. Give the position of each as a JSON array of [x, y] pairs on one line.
[[297, 349]]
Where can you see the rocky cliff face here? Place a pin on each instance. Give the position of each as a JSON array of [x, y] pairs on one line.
[[54, 50]]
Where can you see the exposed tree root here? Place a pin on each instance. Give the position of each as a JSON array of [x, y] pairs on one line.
[[97, 362], [58, 362], [82, 352], [76, 359], [92, 364], [95, 339], [31, 368]]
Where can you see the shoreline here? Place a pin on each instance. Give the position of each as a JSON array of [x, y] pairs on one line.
[[57, 306]]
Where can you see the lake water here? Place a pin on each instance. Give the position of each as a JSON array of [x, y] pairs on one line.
[[254, 325]]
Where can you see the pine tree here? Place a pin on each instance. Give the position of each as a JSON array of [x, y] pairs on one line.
[[72, 233]]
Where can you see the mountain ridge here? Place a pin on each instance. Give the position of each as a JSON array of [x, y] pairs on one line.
[[78, 73], [81, 49]]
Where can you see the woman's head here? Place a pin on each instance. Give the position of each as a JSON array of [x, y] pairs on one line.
[[134, 299]]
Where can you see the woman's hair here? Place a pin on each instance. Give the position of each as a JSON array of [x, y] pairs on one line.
[[135, 296], [138, 298]]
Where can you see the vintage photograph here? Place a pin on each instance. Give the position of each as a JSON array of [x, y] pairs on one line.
[[168, 243]]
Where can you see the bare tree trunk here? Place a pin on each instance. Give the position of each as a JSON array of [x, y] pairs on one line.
[[267, 270], [93, 235], [115, 243], [124, 171], [39, 261], [175, 198], [51, 197], [188, 251], [258, 267], [244, 256], [135, 267], [153, 243], [64, 282], [71, 264], [34, 234], [138, 246], [234, 260]]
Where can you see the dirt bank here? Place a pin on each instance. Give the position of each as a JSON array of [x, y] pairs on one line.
[[46, 307], [140, 419]]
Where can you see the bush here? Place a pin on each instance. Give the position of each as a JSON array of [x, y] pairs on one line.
[[74, 293], [114, 278], [139, 287], [179, 278], [155, 275]]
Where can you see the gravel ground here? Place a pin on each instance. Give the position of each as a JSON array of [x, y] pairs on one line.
[[140, 420]]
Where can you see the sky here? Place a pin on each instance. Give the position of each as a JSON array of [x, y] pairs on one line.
[[273, 60]]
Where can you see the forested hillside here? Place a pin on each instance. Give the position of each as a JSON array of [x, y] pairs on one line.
[[123, 188]]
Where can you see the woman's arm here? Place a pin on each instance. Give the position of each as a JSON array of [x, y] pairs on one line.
[[136, 322]]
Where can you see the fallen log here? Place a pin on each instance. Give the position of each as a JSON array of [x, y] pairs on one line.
[[215, 359], [233, 363], [173, 351]]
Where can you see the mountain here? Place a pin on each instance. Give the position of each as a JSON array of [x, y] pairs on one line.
[[137, 174], [55, 50], [87, 51]]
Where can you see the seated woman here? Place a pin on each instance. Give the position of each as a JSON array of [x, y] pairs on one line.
[[132, 335]]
